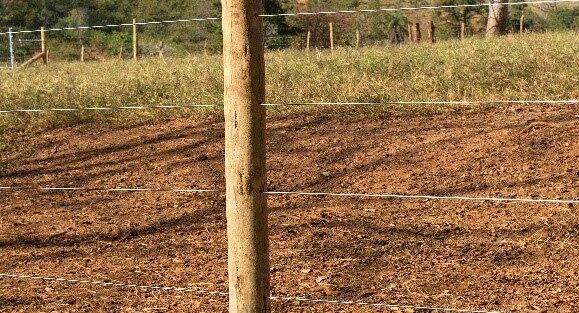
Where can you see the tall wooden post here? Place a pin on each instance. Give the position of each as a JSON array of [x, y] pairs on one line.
[[462, 30], [245, 174], [410, 33], [357, 38], [522, 24], [431, 31], [43, 45], [135, 40], [331, 36], [82, 53], [308, 38]]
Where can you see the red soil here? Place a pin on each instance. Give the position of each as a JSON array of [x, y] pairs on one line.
[[517, 257]]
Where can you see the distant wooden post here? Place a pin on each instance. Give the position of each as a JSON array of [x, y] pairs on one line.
[[331, 37], [121, 51], [410, 33], [462, 30], [308, 38], [245, 155], [82, 53], [431, 32], [522, 24], [357, 38], [135, 40], [161, 48], [205, 47], [43, 45], [416, 35]]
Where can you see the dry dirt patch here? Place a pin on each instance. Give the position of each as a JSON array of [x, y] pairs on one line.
[[503, 256]]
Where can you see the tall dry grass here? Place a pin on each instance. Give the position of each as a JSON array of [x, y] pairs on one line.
[[527, 67]]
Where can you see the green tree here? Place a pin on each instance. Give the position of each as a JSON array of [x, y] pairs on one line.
[[454, 17], [531, 21], [564, 19]]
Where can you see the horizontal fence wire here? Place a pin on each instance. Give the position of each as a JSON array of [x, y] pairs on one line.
[[425, 197], [89, 189], [458, 6], [287, 193], [185, 106], [153, 107], [572, 101], [203, 19], [224, 294]]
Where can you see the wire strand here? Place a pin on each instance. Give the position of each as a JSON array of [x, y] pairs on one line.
[[425, 197], [572, 101], [110, 108], [204, 19], [224, 294], [363, 195], [89, 189], [457, 6]]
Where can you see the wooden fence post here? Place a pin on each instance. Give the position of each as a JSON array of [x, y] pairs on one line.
[[121, 52], [161, 49], [43, 45], [308, 38], [410, 33], [431, 32], [82, 53], [462, 30], [416, 35], [331, 36], [245, 154], [135, 40], [522, 24], [357, 38]]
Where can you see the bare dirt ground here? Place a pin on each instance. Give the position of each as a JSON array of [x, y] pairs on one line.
[[517, 257]]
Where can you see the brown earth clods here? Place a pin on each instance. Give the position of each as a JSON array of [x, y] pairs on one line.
[[516, 257]]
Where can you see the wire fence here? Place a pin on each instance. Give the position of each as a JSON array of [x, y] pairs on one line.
[[225, 294], [204, 19], [296, 104], [310, 300], [299, 193], [64, 48]]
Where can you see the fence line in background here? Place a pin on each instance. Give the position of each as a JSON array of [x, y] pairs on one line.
[[458, 6], [225, 294], [185, 106], [123, 25], [299, 193]]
